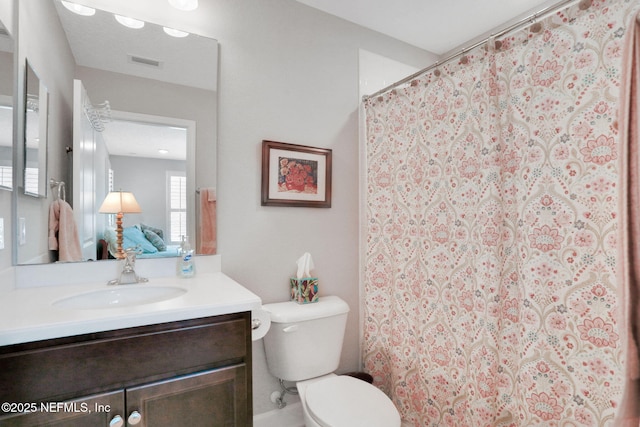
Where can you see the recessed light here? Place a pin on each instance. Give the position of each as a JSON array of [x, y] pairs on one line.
[[129, 22], [79, 9], [184, 4], [163, 151], [175, 33]]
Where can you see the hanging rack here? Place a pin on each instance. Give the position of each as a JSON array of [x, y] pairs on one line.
[[531, 19], [33, 103], [59, 185], [98, 114]]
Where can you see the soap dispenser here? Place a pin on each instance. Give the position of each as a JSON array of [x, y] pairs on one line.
[[186, 266]]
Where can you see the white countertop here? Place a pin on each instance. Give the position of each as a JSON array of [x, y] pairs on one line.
[[28, 314]]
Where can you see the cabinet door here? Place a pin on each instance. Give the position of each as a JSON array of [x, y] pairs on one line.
[[216, 398], [98, 410]]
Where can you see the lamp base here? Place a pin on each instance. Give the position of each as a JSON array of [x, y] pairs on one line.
[[120, 253]]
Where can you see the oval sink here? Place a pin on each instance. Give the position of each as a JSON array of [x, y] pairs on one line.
[[120, 297]]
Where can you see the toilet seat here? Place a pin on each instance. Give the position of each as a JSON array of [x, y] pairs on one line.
[[343, 401]]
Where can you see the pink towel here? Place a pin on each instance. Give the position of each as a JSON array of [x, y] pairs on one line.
[[208, 244], [629, 272], [63, 233]]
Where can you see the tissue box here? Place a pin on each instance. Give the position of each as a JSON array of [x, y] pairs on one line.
[[304, 290]]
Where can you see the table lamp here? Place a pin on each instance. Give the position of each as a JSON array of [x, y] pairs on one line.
[[119, 203]]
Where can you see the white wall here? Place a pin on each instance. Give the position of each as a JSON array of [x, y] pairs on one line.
[[378, 72], [290, 73]]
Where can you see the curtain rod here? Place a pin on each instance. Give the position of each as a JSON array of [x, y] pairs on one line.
[[584, 4]]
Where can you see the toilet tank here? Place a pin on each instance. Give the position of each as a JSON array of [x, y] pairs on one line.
[[305, 340]]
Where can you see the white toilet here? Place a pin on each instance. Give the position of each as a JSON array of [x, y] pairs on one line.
[[304, 345]]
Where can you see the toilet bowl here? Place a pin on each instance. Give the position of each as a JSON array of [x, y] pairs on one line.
[[303, 345], [343, 401]]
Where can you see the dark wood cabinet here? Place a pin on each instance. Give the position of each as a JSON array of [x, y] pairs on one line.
[[99, 410], [212, 398], [195, 372]]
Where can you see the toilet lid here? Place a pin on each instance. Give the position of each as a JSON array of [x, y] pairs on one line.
[[344, 401]]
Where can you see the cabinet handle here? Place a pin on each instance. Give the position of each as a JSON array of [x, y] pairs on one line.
[[116, 421], [256, 323], [134, 418]]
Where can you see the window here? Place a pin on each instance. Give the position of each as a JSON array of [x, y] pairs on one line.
[[31, 180], [177, 205], [5, 176]]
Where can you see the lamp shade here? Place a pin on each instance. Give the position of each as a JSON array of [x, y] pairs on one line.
[[120, 201]]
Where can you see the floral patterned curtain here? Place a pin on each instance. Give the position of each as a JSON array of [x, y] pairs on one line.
[[490, 275]]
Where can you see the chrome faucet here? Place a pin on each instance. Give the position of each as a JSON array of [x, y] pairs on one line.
[[128, 274]]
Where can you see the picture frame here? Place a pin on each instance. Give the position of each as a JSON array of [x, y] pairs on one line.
[[295, 175]]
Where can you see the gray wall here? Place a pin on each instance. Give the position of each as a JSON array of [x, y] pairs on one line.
[[290, 73]]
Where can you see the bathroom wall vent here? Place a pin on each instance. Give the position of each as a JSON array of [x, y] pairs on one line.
[[149, 62]]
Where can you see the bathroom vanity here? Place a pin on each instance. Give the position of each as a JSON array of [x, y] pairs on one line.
[[182, 361]]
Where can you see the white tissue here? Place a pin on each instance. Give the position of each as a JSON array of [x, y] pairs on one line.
[[305, 265], [260, 323]]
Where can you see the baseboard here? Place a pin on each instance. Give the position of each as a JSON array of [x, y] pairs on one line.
[[289, 416]]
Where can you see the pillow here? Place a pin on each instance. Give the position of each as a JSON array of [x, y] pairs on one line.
[[132, 237], [155, 240], [112, 240], [158, 231]]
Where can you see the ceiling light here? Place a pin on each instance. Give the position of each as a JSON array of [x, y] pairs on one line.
[[129, 22], [163, 151], [175, 33], [184, 4], [79, 9]]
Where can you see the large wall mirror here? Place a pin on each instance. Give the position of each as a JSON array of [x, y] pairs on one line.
[[140, 108]]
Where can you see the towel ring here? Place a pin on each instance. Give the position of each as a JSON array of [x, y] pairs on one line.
[[62, 192]]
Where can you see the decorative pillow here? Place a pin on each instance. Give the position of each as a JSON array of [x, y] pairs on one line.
[[158, 231], [132, 237], [112, 240], [155, 240]]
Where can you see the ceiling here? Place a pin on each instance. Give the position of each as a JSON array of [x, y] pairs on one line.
[[437, 26], [137, 139]]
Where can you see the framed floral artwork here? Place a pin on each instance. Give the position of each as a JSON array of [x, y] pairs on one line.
[[295, 175]]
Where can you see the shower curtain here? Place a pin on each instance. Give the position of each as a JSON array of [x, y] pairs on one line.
[[490, 264]]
